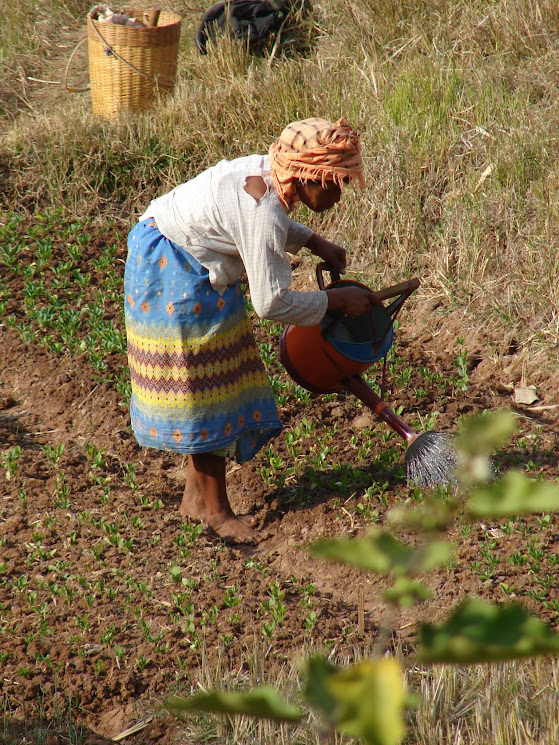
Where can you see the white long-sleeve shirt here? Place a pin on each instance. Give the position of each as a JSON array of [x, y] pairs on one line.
[[230, 232]]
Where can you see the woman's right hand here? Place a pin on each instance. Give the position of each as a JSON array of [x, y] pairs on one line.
[[353, 301]]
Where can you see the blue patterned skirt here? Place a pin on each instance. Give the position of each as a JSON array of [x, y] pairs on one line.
[[198, 383]]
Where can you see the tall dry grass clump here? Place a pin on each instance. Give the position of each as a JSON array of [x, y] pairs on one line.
[[506, 703], [457, 105]]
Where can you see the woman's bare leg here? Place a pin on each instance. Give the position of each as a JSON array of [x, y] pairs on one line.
[[193, 504], [205, 498]]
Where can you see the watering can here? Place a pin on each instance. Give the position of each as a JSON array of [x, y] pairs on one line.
[[321, 357], [332, 355]]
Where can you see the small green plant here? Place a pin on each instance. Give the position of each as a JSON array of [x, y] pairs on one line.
[[462, 380], [61, 494], [11, 462], [53, 453], [130, 476], [274, 607], [231, 597], [143, 662]]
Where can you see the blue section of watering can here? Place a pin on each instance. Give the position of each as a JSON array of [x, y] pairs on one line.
[[363, 351], [365, 339]]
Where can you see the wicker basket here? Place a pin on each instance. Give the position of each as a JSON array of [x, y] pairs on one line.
[[128, 66]]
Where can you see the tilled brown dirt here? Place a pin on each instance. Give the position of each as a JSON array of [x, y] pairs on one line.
[[109, 602]]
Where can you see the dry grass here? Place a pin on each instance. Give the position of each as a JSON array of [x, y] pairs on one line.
[[498, 704], [505, 704]]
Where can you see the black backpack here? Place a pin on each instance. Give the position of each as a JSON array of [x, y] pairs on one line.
[[247, 20]]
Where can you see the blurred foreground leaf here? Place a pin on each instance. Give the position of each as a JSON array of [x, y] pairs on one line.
[[381, 552], [317, 693], [406, 592], [481, 632], [481, 434], [434, 514], [513, 494], [364, 701], [263, 703]]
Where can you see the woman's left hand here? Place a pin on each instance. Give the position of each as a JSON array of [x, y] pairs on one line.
[[330, 252]]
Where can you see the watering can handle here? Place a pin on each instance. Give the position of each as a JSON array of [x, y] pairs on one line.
[[406, 287], [325, 267], [402, 288], [401, 292]]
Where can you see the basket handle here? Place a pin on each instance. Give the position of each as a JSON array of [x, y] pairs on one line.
[[152, 20], [68, 87], [110, 50]]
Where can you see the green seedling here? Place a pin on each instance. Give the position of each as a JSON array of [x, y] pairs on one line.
[[275, 607], [280, 390], [62, 490], [462, 381], [130, 476], [210, 616], [11, 462], [231, 597], [257, 564], [143, 662], [267, 352], [53, 453]]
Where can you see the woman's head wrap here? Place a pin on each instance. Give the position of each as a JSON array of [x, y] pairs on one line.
[[314, 150]]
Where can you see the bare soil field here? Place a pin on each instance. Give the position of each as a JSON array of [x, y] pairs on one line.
[[109, 601]]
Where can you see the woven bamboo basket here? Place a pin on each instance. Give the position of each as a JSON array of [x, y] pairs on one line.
[[130, 67]]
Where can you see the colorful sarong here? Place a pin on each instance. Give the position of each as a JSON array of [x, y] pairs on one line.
[[198, 383]]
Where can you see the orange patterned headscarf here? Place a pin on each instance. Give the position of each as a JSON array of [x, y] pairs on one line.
[[314, 150]]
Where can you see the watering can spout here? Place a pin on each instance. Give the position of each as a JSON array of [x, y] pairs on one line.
[[365, 393], [430, 458]]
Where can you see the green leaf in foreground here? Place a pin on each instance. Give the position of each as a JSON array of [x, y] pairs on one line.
[[513, 494], [434, 514], [481, 434], [317, 694], [371, 701], [263, 703], [406, 592], [481, 632], [381, 552]]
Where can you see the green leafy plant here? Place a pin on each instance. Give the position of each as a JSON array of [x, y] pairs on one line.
[[10, 462], [462, 380]]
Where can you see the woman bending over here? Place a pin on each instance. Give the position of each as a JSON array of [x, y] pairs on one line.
[[198, 384]]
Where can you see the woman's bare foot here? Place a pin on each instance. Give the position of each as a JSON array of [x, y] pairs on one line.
[[234, 530], [205, 498], [193, 504]]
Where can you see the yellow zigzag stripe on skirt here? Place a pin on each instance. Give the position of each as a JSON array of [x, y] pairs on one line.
[[210, 397], [156, 338], [182, 373]]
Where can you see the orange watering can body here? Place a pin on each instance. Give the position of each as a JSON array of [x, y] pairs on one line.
[[314, 363], [322, 357]]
